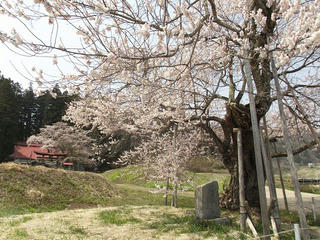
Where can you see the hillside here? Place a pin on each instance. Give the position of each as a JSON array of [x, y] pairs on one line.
[[39, 189], [136, 175]]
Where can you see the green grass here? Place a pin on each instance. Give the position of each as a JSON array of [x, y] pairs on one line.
[[117, 217], [77, 230], [96, 191], [19, 234], [136, 175], [138, 198], [17, 222], [190, 224], [25, 189]]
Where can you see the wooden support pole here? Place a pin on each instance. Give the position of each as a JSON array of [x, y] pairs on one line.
[[314, 210], [257, 151], [300, 209], [251, 226], [274, 228], [274, 206], [281, 181], [243, 212], [271, 166], [297, 232]]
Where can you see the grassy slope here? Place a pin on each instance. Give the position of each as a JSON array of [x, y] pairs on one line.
[[25, 189], [136, 175], [40, 188]]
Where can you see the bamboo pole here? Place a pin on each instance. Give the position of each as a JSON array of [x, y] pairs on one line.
[[243, 212], [257, 151], [302, 216], [274, 206]]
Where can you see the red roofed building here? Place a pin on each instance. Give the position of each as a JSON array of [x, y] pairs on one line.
[[29, 154]]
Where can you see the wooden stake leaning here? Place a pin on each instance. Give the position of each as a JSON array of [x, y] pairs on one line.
[[274, 228], [281, 181], [302, 216], [314, 210], [243, 212], [251, 226], [274, 206], [257, 151]]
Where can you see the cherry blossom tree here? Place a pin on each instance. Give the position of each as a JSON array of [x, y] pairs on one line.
[[65, 138], [165, 156], [183, 55]]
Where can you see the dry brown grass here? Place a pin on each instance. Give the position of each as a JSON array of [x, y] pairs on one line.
[[85, 224]]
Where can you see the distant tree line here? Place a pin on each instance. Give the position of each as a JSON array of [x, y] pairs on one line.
[[23, 113]]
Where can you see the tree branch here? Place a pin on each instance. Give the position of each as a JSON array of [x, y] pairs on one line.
[[217, 20], [296, 151]]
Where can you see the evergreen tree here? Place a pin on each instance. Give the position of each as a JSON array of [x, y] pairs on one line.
[[51, 109], [29, 116], [10, 95], [22, 113]]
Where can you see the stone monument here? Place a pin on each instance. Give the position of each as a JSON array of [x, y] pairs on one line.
[[207, 201]]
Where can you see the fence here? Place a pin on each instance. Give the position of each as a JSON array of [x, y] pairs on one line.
[[314, 209], [296, 229], [315, 204]]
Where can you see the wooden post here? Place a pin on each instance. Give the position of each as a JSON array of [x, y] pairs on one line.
[[302, 216], [296, 232], [257, 151], [314, 210], [281, 181], [274, 228], [274, 206], [251, 226], [243, 213]]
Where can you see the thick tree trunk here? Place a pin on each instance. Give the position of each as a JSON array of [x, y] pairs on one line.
[[239, 117], [230, 198]]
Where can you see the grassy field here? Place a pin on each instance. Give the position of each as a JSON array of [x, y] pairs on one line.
[[136, 175], [103, 209], [25, 189], [112, 205], [125, 222]]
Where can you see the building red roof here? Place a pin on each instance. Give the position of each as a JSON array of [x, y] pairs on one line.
[[33, 151]]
